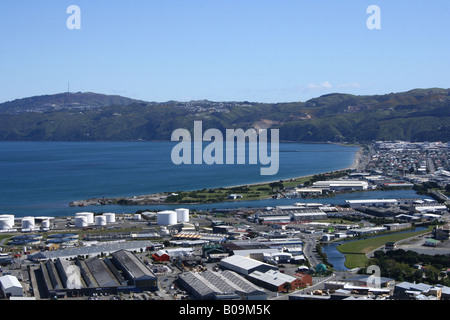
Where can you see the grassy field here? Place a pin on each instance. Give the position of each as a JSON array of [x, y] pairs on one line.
[[248, 192], [355, 251]]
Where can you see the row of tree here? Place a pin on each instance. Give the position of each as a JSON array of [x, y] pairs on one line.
[[411, 266]]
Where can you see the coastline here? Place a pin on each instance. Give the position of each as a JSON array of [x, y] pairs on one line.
[[160, 198], [354, 166]]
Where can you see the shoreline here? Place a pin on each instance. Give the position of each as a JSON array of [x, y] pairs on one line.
[[160, 198], [354, 166]]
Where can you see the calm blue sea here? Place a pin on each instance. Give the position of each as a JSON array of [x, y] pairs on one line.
[[42, 178]]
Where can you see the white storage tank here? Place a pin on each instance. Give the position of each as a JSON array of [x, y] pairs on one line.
[[88, 215], [166, 218], [100, 220], [182, 215], [110, 217], [4, 224], [137, 216], [81, 221], [28, 223], [45, 224], [9, 220]]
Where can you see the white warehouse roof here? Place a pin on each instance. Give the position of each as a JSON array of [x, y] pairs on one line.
[[9, 281], [272, 277]]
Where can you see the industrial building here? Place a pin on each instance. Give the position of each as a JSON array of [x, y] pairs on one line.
[[134, 270], [308, 215], [244, 265], [123, 272], [226, 285], [274, 280], [338, 185], [286, 214], [92, 251], [418, 291], [10, 286], [172, 254], [371, 202]]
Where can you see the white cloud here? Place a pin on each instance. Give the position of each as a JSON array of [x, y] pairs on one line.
[[327, 86], [323, 86]]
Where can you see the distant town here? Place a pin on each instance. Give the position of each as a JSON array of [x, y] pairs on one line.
[[258, 253]]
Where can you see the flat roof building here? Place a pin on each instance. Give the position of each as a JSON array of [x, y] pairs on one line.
[[91, 251], [337, 185], [224, 285], [274, 280], [244, 265]]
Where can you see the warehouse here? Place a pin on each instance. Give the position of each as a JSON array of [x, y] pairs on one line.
[[124, 272], [11, 286], [81, 277], [160, 256], [91, 251], [337, 185], [134, 270], [244, 265], [272, 216], [371, 202], [274, 280], [308, 215], [224, 285]]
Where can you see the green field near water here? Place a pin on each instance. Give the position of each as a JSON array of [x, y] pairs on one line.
[[355, 251]]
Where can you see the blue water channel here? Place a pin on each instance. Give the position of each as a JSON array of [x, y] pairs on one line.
[[337, 259]]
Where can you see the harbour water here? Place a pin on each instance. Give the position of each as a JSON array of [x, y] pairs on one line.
[[42, 178]]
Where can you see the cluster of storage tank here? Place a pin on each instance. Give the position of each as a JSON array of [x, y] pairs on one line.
[[84, 219], [170, 217], [7, 222]]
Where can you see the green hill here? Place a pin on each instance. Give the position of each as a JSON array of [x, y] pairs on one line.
[[416, 115]]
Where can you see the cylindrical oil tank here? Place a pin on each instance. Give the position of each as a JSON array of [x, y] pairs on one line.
[[4, 224], [88, 215], [81, 221], [182, 215], [6, 221], [100, 220], [110, 217], [137, 216], [45, 224], [28, 223], [166, 218]]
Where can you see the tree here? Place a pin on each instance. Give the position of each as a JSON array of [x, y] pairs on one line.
[[432, 274], [278, 185], [287, 286]]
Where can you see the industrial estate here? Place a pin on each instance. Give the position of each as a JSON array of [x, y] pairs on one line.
[[258, 253]]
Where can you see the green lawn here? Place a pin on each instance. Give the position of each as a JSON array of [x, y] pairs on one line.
[[355, 251], [355, 260]]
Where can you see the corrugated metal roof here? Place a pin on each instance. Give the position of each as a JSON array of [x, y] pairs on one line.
[[134, 266], [272, 277], [9, 281]]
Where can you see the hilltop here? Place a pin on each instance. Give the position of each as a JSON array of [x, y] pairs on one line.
[[416, 115]]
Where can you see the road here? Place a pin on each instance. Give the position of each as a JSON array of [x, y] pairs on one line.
[[309, 249]]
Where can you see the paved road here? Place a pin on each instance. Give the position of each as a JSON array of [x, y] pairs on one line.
[[309, 247]]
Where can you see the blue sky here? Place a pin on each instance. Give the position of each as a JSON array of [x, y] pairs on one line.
[[255, 50]]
